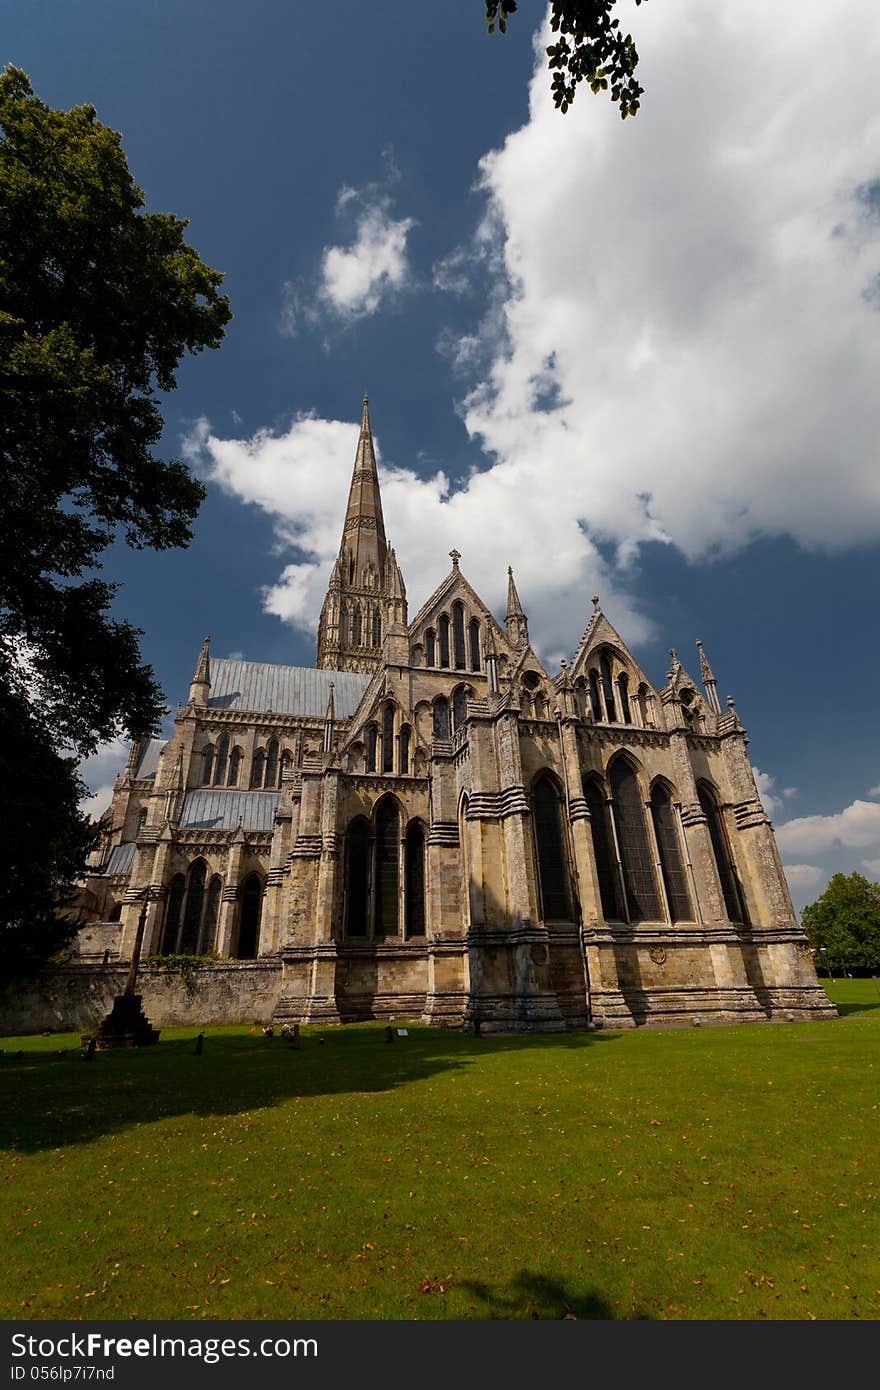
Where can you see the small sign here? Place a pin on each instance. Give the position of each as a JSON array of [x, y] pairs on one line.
[[403, 1032]]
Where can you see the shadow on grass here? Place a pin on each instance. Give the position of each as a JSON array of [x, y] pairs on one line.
[[530, 1295], [48, 1101], [846, 1008]]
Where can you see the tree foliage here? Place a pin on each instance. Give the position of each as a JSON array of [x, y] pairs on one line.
[[591, 48], [99, 300], [843, 926]]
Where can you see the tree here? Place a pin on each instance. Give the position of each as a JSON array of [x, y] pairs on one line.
[[591, 48], [99, 300], [843, 926]]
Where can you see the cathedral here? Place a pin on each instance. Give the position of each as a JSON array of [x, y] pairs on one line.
[[431, 825]]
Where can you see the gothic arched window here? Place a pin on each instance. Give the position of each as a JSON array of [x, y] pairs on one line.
[[474, 643], [443, 629], [603, 851], [441, 718], [377, 628], [554, 878], [623, 691], [459, 704], [356, 625], [270, 778], [192, 914], [642, 697], [669, 846], [208, 766], [595, 702], [222, 759], [357, 878], [415, 880], [209, 922], [388, 738], [172, 915], [734, 901], [234, 765], [430, 648], [372, 741], [257, 767], [387, 867], [642, 900], [403, 756], [458, 652], [608, 688], [249, 922]]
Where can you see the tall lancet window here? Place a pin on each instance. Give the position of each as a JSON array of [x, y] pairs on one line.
[[734, 900], [669, 846], [415, 880], [222, 759], [388, 738], [554, 878], [474, 643], [458, 651], [430, 648], [271, 777], [387, 868], [377, 628], [595, 702], [603, 851], [608, 688], [443, 629], [356, 626], [642, 899], [441, 718], [623, 691]]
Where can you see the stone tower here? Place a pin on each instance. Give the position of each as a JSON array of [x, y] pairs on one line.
[[365, 578]]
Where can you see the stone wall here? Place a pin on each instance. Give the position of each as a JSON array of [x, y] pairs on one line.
[[76, 998]]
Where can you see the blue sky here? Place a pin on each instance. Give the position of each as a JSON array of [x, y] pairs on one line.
[[635, 358]]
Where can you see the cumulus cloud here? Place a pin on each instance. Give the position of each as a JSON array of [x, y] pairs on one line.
[[803, 876], [874, 791], [356, 278], [872, 865], [857, 826], [300, 479], [688, 347], [99, 772]]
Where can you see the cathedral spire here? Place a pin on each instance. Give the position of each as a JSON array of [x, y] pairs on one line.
[[200, 685], [363, 534], [710, 685], [516, 622]]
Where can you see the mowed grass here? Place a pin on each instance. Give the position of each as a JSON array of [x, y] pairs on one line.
[[713, 1173]]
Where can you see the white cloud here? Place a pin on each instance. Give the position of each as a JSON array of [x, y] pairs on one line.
[[356, 278], [872, 865], [857, 826], [803, 876], [99, 772], [874, 791], [770, 800], [300, 479], [687, 350]]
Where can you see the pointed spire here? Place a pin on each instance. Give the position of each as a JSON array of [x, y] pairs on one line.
[[200, 685], [364, 530], [710, 685], [516, 621], [490, 652]]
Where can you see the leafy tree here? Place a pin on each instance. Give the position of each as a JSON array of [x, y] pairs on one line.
[[99, 300], [843, 926], [98, 303], [591, 48]]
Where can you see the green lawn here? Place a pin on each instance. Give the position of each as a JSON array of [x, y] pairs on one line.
[[713, 1173]]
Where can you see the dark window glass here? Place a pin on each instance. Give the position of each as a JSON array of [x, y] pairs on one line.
[[674, 877], [172, 915], [623, 688], [459, 702], [222, 757], [730, 887], [192, 917], [608, 688], [357, 878], [257, 768], [271, 776], [356, 627], [377, 628], [234, 765], [209, 766], [642, 898], [441, 718], [603, 849], [458, 636], [595, 702], [388, 739], [474, 643], [443, 628], [387, 868], [372, 740], [249, 926], [212, 911], [404, 752], [415, 880], [430, 648], [553, 872]]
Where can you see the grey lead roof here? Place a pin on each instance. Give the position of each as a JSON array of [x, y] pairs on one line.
[[212, 808], [304, 690], [150, 758], [121, 856]]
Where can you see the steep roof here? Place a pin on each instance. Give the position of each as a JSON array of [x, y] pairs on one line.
[[149, 760], [215, 808], [303, 690]]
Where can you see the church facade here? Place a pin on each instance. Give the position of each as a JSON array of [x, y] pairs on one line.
[[430, 824]]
